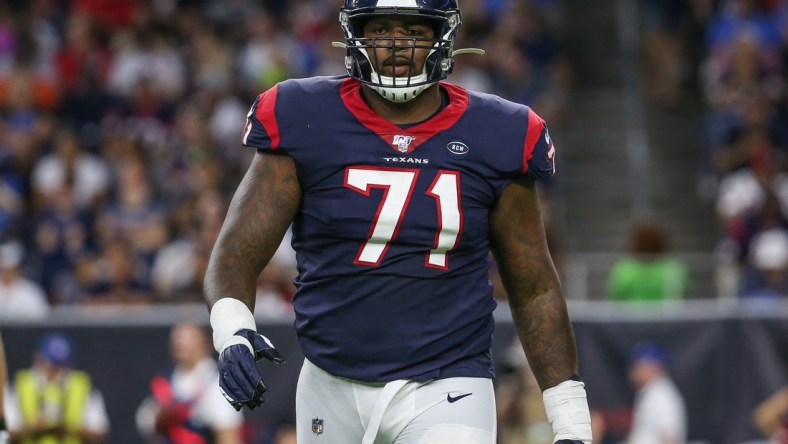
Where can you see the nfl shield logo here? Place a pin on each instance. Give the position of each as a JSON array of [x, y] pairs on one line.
[[317, 426]]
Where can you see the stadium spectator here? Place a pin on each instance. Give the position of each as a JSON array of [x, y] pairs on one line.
[[21, 299], [70, 166], [147, 56], [111, 14], [24, 79], [12, 201], [84, 50], [520, 409], [179, 266], [742, 71], [529, 67], [184, 405], [136, 215], [751, 141], [751, 200], [189, 164], [114, 276], [743, 80], [24, 127], [666, 27], [735, 16], [767, 273], [62, 235], [53, 401], [659, 414], [267, 56], [648, 273]]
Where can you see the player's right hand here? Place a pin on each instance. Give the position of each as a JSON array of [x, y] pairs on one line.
[[239, 379], [4, 437]]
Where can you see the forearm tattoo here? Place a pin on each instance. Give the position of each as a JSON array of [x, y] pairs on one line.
[[532, 286]]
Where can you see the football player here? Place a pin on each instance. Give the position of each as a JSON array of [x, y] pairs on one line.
[[397, 185]]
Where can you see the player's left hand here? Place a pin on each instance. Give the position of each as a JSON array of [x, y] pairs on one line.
[[4, 437], [239, 379]]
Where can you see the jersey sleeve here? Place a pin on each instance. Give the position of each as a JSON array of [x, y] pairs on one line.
[[262, 129], [538, 150]]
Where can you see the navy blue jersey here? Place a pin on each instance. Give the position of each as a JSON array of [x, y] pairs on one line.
[[392, 235]]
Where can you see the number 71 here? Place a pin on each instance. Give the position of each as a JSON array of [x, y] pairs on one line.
[[397, 185]]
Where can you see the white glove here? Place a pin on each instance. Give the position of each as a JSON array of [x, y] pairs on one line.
[[5, 438]]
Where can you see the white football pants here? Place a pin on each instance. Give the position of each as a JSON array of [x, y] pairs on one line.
[[333, 410]]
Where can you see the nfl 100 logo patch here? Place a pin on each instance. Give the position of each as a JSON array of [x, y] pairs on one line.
[[317, 426], [402, 142]]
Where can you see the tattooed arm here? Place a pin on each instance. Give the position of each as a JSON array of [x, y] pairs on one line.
[[532, 286], [539, 310], [264, 205]]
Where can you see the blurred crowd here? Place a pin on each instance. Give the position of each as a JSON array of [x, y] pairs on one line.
[[120, 124], [735, 54], [744, 74]]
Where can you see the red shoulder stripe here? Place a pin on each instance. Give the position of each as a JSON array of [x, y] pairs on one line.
[[265, 114], [535, 127]]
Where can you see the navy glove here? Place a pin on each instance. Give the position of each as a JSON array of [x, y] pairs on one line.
[[239, 379]]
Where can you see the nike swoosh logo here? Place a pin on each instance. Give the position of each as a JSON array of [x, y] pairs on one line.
[[451, 398]]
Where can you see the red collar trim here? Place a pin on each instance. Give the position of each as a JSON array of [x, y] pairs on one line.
[[458, 103]]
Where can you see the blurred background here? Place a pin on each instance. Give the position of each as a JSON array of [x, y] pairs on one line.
[[120, 124]]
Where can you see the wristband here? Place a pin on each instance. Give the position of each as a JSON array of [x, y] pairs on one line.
[[228, 315], [567, 410]]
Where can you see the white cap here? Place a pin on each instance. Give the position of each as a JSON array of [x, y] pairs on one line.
[[769, 249], [739, 193]]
